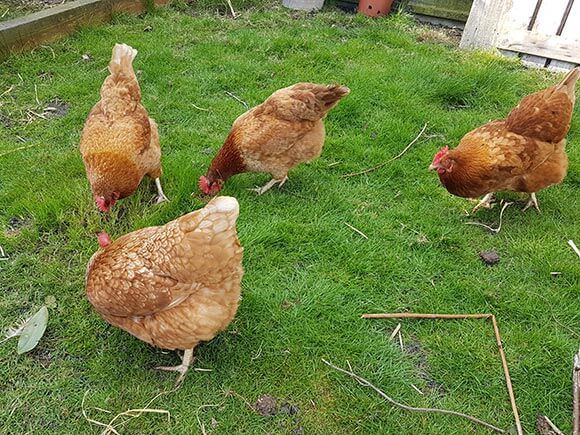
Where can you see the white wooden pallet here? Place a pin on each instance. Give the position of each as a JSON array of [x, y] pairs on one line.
[[544, 33]]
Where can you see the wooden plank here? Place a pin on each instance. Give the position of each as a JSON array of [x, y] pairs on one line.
[[128, 6], [45, 26], [533, 61], [51, 24], [456, 10], [550, 46], [558, 65], [484, 25]]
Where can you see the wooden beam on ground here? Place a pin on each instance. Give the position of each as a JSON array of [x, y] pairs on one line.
[[25, 33]]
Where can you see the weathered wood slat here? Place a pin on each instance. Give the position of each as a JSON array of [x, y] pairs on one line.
[[42, 27], [549, 46], [483, 26]]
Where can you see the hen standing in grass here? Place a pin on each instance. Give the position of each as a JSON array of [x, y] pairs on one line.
[[120, 143], [175, 285], [523, 153], [285, 130]]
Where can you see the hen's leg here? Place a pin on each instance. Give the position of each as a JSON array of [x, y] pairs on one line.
[[160, 195], [270, 184], [533, 201], [485, 202], [186, 361]]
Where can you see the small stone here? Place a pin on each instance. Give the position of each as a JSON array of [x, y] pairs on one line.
[[86, 57], [489, 257], [148, 29], [298, 431], [266, 406]]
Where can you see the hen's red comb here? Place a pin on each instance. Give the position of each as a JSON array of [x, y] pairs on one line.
[[440, 154], [204, 184], [104, 239]]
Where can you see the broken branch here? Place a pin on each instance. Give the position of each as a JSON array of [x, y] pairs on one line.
[[392, 401], [576, 392], [238, 99], [380, 165], [506, 372], [574, 247], [356, 230], [493, 230]]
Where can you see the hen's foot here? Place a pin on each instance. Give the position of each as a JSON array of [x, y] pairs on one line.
[[182, 368], [160, 195], [269, 185], [533, 201], [485, 202]]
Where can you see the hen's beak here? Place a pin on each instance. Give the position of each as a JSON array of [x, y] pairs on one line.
[[432, 167]]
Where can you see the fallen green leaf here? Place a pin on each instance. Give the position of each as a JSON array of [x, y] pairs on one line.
[[33, 331]]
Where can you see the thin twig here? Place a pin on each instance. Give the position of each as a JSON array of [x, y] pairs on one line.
[[545, 426], [200, 108], [18, 149], [238, 99], [7, 91], [508, 380], [417, 390], [234, 15], [424, 316], [466, 316], [199, 422], [374, 168], [493, 230], [576, 395], [36, 95], [401, 341], [356, 230], [51, 50], [395, 331], [366, 383], [574, 247]]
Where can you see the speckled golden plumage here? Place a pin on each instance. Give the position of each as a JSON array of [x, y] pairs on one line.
[[523, 153], [283, 131], [175, 285], [120, 143]]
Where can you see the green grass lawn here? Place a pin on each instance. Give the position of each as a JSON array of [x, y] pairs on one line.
[[308, 276]]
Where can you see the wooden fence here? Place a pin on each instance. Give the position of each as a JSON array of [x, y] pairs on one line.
[[544, 33], [39, 28]]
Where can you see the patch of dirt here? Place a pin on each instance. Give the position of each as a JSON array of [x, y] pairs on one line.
[[6, 121], [42, 356], [419, 355], [434, 34], [17, 224], [56, 109], [266, 406], [287, 413], [16, 8]]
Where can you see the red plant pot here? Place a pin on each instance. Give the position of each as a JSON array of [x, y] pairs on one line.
[[375, 8]]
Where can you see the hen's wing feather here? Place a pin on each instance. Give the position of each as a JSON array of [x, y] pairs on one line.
[[156, 268]]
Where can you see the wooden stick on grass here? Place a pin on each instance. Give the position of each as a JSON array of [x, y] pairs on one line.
[[466, 316], [576, 393], [380, 165], [366, 383]]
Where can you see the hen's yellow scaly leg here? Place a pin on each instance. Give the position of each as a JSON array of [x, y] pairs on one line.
[[269, 185], [533, 201], [182, 368], [485, 202]]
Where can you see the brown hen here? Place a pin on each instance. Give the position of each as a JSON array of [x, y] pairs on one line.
[[283, 131], [175, 285], [523, 153], [120, 143]]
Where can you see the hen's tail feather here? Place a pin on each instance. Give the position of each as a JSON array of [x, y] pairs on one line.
[[568, 85], [330, 94], [220, 214], [122, 59]]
